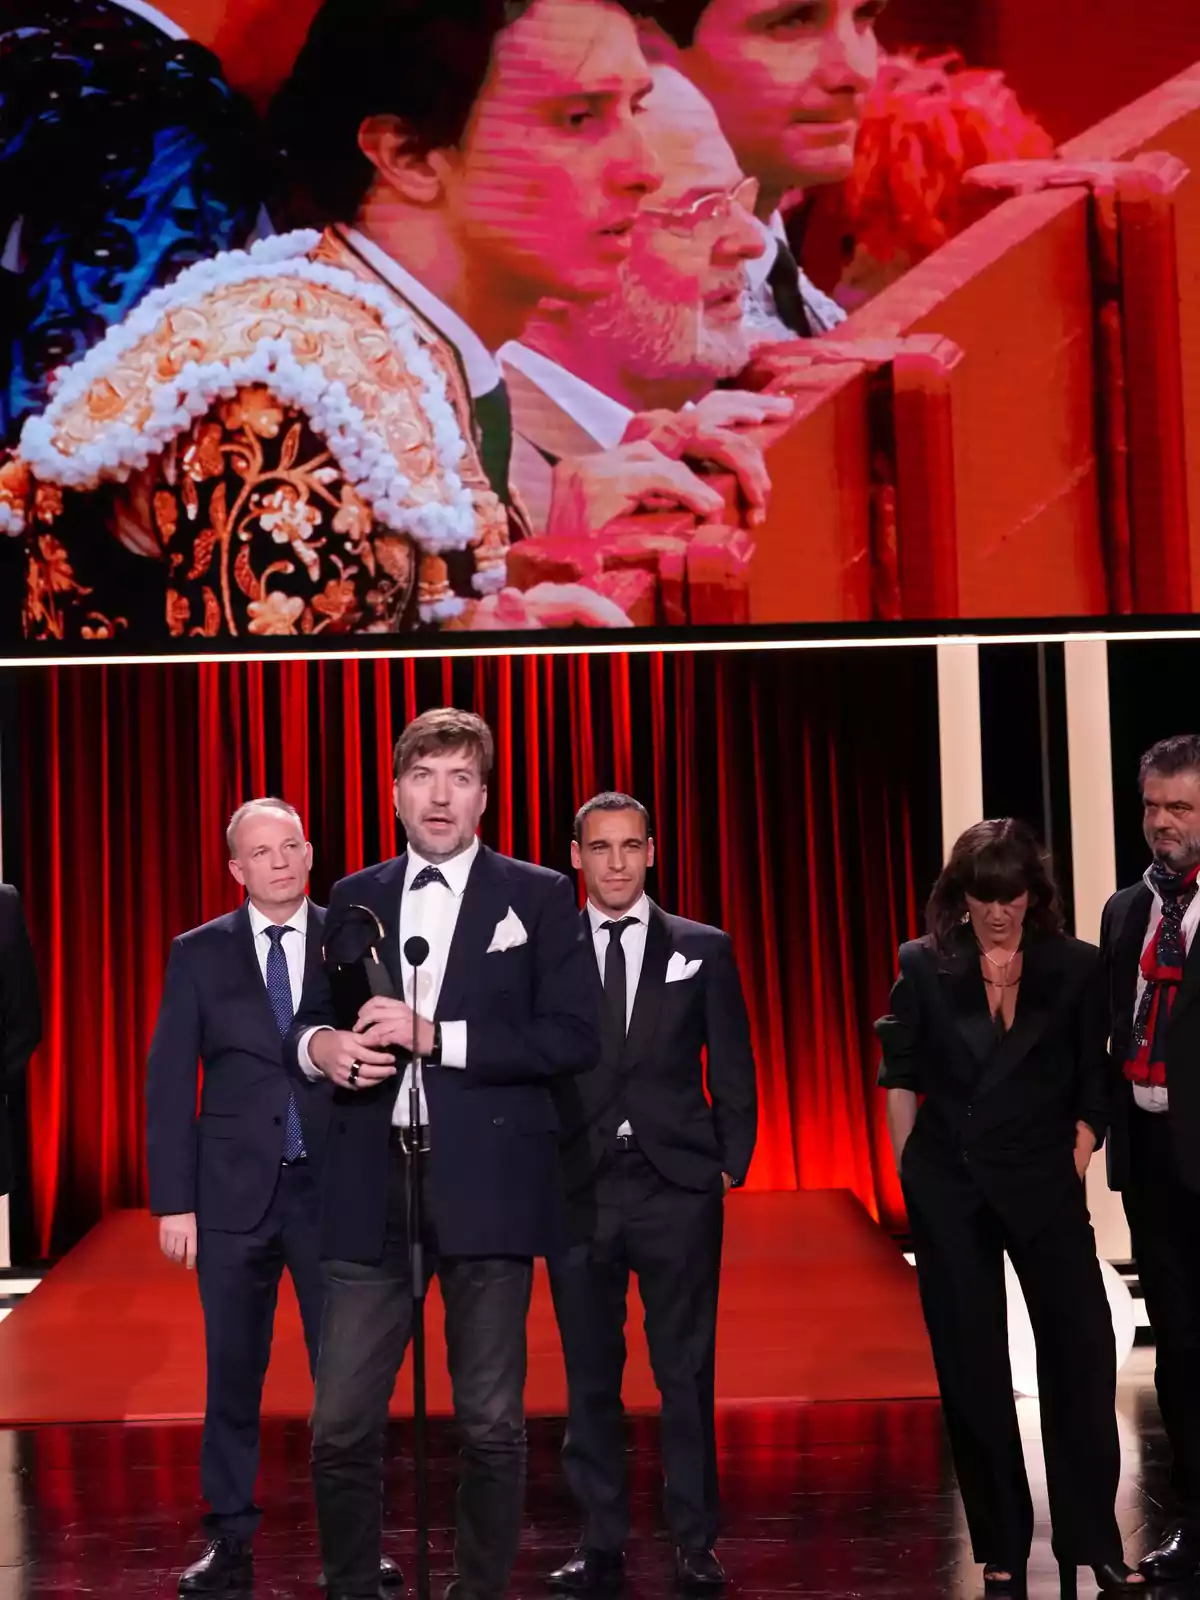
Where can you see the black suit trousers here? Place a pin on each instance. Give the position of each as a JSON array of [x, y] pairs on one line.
[[1164, 1225], [634, 1220], [367, 1326], [239, 1277], [959, 1249]]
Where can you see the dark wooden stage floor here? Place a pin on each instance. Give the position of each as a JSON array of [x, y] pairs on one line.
[[826, 1500]]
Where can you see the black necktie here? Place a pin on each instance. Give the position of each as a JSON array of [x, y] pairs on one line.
[[616, 994], [493, 418], [783, 280], [429, 875]]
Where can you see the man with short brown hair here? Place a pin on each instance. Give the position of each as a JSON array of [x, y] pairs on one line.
[[501, 1007], [648, 1157]]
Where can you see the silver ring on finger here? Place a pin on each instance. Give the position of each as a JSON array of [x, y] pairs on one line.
[[354, 1070]]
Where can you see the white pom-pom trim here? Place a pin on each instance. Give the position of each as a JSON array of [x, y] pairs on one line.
[[362, 454]]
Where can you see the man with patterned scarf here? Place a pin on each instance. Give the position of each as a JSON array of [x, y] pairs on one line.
[[1152, 962], [313, 436]]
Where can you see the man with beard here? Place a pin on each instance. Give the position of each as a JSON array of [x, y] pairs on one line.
[[1152, 963], [789, 80], [584, 378]]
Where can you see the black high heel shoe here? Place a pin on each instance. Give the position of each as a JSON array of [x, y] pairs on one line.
[[1011, 1587], [1114, 1577]]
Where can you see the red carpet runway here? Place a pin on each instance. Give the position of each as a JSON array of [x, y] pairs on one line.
[[816, 1304]]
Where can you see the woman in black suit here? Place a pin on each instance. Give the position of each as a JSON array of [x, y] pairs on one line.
[[997, 1021]]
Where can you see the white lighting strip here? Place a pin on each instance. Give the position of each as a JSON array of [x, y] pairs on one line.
[[629, 647]]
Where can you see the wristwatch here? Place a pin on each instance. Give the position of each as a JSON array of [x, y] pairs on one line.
[[434, 1058]]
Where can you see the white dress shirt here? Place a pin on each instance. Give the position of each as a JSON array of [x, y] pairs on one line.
[[758, 305], [600, 416], [432, 913], [633, 945], [481, 367], [1153, 1096], [294, 946]]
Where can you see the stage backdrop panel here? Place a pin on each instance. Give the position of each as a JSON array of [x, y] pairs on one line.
[[795, 802]]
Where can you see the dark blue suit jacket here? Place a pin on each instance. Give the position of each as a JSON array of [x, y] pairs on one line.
[[495, 1186], [224, 1164]]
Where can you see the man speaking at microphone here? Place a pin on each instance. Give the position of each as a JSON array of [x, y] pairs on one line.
[[502, 1006]]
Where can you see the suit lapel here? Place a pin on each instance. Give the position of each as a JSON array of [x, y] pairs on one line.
[[313, 944], [485, 903], [1190, 985], [1040, 990], [966, 996], [652, 981], [243, 938], [1126, 957]]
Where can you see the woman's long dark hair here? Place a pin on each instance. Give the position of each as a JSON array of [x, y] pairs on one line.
[[996, 860]]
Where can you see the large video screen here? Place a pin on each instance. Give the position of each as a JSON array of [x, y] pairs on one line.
[[381, 321]]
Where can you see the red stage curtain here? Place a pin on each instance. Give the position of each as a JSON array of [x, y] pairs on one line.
[[795, 803]]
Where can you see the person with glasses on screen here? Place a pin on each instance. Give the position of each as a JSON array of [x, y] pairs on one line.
[[789, 80], [315, 438], [583, 378]]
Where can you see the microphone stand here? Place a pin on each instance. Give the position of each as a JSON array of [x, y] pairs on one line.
[[416, 1257]]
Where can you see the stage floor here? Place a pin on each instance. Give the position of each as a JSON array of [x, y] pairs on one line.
[[817, 1303], [828, 1501]]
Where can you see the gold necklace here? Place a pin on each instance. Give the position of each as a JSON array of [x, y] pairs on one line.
[[1004, 981]]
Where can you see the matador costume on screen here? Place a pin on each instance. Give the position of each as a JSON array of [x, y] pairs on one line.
[[276, 443]]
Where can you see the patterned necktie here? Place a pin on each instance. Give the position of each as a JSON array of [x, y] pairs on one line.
[[616, 993], [279, 992], [428, 875], [493, 418], [783, 280]]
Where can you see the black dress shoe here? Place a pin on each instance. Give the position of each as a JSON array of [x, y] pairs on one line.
[[390, 1576], [698, 1570], [226, 1567], [1175, 1560], [590, 1572]]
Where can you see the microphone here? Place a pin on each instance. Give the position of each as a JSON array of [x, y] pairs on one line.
[[416, 952]]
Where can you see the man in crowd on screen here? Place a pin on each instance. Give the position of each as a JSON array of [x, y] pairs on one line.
[[20, 1017], [315, 437], [648, 1158], [234, 1188], [581, 375], [928, 122], [1152, 961], [502, 1007], [789, 80]]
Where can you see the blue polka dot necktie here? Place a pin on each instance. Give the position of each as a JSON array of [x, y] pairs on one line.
[[279, 992]]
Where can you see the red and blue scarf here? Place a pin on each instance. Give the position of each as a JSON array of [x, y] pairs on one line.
[[1162, 968]]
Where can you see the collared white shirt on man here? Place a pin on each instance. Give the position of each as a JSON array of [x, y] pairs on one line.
[[479, 364], [633, 946], [758, 304], [432, 914], [293, 946], [601, 417], [1153, 1096]]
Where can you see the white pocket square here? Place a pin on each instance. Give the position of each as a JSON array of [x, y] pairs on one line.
[[510, 932], [679, 967]]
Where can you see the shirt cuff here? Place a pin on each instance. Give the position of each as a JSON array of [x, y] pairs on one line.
[[454, 1044], [303, 1057]]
